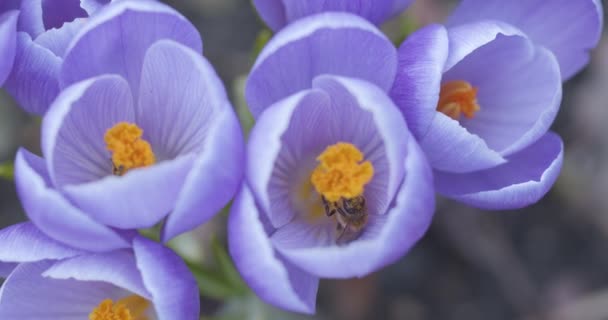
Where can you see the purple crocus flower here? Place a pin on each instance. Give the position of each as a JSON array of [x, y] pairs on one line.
[[335, 185], [45, 29], [570, 29], [279, 13], [48, 280], [481, 111], [142, 134]]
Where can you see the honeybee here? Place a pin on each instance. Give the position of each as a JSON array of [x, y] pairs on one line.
[[352, 215]]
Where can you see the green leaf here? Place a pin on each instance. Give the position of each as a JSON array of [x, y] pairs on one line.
[[225, 265], [260, 42], [210, 282], [7, 170]]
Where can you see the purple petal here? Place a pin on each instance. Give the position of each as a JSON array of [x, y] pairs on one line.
[[568, 28], [24, 242], [522, 181], [33, 81], [53, 214], [27, 295], [416, 89], [272, 11], [450, 147], [329, 43], [6, 269], [118, 268], [74, 128], [58, 40], [92, 6], [172, 286], [30, 19], [256, 260], [58, 12], [8, 42], [519, 92], [467, 38], [404, 225], [116, 39]]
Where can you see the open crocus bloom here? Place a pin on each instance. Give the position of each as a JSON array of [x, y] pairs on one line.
[[49, 280], [45, 29], [279, 13], [144, 133], [483, 112], [544, 21], [335, 186]]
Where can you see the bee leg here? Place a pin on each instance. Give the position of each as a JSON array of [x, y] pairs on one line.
[[328, 211], [342, 232]]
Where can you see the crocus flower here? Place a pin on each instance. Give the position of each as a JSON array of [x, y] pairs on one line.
[[45, 29], [142, 134], [335, 186], [279, 13], [570, 29], [52, 281], [481, 111]]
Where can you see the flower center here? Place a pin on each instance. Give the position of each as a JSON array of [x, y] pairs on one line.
[[456, 98], [130, 308], [129, 150], [341, 172]]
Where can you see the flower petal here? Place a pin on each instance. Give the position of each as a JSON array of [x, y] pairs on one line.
[[8, 42], [450, 147], [391, 238], [568, 28], [30, 19], [519, 91], [522, 181], [53, 214], [256, 260], [173, 288], [6, 269], [91, 6], [74, 128], [116, 39], [272, 11], [118, 268], [329, 43], [24, 242], [33, 80], [416, 89], [58, 40], [27, 295]]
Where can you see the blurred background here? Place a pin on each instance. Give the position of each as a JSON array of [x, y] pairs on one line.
[[548, 261]]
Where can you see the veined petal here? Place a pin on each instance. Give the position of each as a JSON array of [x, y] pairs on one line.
[[519, 92], [568, 28], [416, 89], [255, 258], [118, 268], [172, 286], [8, 42], [26, 291], [329, 43], [6, 269], [58, 40], [522, 181], [74, 128], [33, 80], [53, 214], [24, 242], [91, 6], [30, 19], [116, 39], [383, 241]]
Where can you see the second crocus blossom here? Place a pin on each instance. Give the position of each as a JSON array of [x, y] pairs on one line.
[[49, 280], [279, 13], [570, 29], [143, 134], [335, 185], [483, 112]]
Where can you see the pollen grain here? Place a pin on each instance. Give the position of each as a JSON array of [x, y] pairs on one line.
[[128, 149], [457, 98], [341, 172]]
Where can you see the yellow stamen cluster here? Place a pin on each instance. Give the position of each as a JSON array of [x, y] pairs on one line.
[[341, 173], [129, 150], [129, 308], [456, 98]]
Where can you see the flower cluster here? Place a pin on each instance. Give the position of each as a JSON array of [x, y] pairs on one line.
[[353, 138]]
